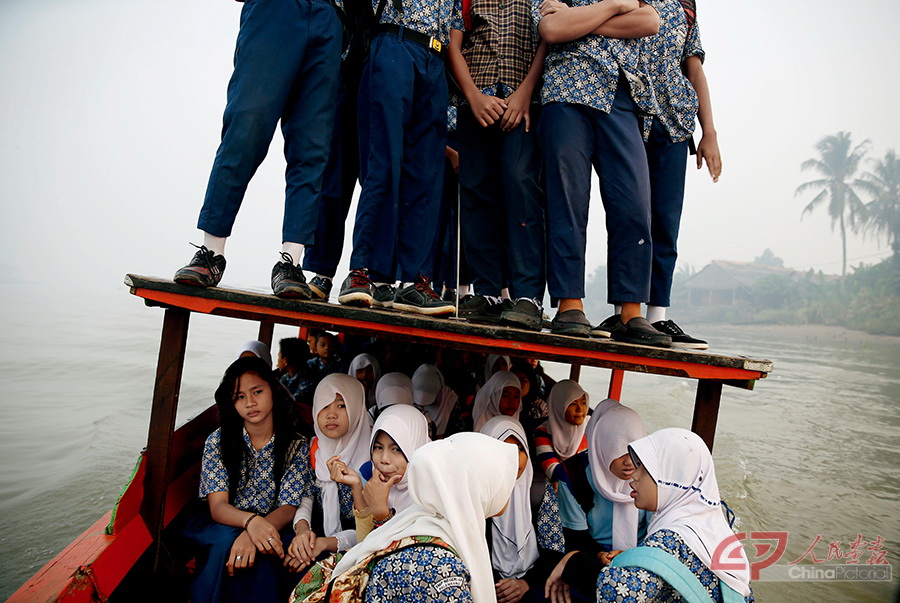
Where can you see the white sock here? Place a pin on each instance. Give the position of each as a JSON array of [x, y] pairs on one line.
[[504, 293], [463, 290], [214, 244], [380, 284], [618, 309], [655, 314], [295, 250]]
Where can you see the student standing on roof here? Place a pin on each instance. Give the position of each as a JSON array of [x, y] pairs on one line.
[[402, 136], [674, 61], [497, 63], [594, 94], [284, 65]]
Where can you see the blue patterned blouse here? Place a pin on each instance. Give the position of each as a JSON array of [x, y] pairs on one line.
[[617, 584], [419, 574], [256, 487], [430, 17], [662, 58], [586, 71]]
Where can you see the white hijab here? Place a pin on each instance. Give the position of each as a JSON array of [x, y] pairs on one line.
[[453, 490], [431, 393], [408, 427], [392, 388], [351, 447], [603, 406], [608, 435], [688, 497], [361, 362], [258, 349], [566, 437], [490, 362], [487, 400], [514, 544]]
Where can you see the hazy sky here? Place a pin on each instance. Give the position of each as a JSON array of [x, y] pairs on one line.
[[110, 114]]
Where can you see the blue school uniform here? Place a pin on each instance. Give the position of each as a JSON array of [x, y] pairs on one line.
[[594, 94], [267, 580], [402, 135], [667, 137], [599, 520], [287, 54], [419, 574]]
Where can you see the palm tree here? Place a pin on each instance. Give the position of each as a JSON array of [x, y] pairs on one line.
[[884, 209], [838, 162]]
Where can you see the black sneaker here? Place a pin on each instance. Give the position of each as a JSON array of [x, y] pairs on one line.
[[639, 331], [205, 270], [571, 322], [383, 296], [288, 280], [449, 295], [478, 308], [320, 287], [421, 299], [525, 314], [357, 289], [605, 328], [680, 339]]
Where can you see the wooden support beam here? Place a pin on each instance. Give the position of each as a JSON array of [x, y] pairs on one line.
[[706, 410], [266, 331], [575, 372], [616, 377], [162, 420]]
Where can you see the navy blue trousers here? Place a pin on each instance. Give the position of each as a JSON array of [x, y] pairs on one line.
[[341, 174], [573, 138], [502, 200], [266, 581], [668, 163], [285, 68], [445, 243], [402, 135]]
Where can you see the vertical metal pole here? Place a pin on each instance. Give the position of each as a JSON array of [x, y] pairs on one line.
[[706, 410], [575, 372], [169, 369], [458, 243]]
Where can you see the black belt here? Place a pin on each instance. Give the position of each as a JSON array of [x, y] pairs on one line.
[[429, 42]]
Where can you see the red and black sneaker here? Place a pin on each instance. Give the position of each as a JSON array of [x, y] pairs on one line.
[[288, 280], [357, 289], [205, 269], [420, 298]]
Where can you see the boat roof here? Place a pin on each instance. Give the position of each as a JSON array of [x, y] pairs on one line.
[[735, 370]]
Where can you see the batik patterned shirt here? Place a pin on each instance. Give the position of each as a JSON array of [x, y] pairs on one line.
[[619, 584], [419, 574], [430, 17], [549, 524], [586, 71], [663, 57], [256, 488]]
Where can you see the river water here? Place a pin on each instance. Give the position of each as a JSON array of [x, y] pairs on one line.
[[814, 451]]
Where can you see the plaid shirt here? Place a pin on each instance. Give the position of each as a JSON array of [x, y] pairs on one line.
[[500, 47], [662, 58]]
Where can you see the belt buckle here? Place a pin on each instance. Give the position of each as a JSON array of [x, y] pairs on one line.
[[435, 45]]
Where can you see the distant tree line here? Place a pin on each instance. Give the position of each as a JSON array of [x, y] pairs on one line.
[[865, 202]]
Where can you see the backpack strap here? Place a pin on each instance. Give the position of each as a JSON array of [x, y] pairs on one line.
[[690, 12], [674, 572]]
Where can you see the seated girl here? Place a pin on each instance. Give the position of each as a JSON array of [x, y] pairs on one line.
[[392, 388], [431, 393], [342, 432], [495, 363], [367, 371], [434, 550], [381, 488], [674, 478], [613, 522], [520, 568], [561, 450], [252, 479], [501, 395]]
